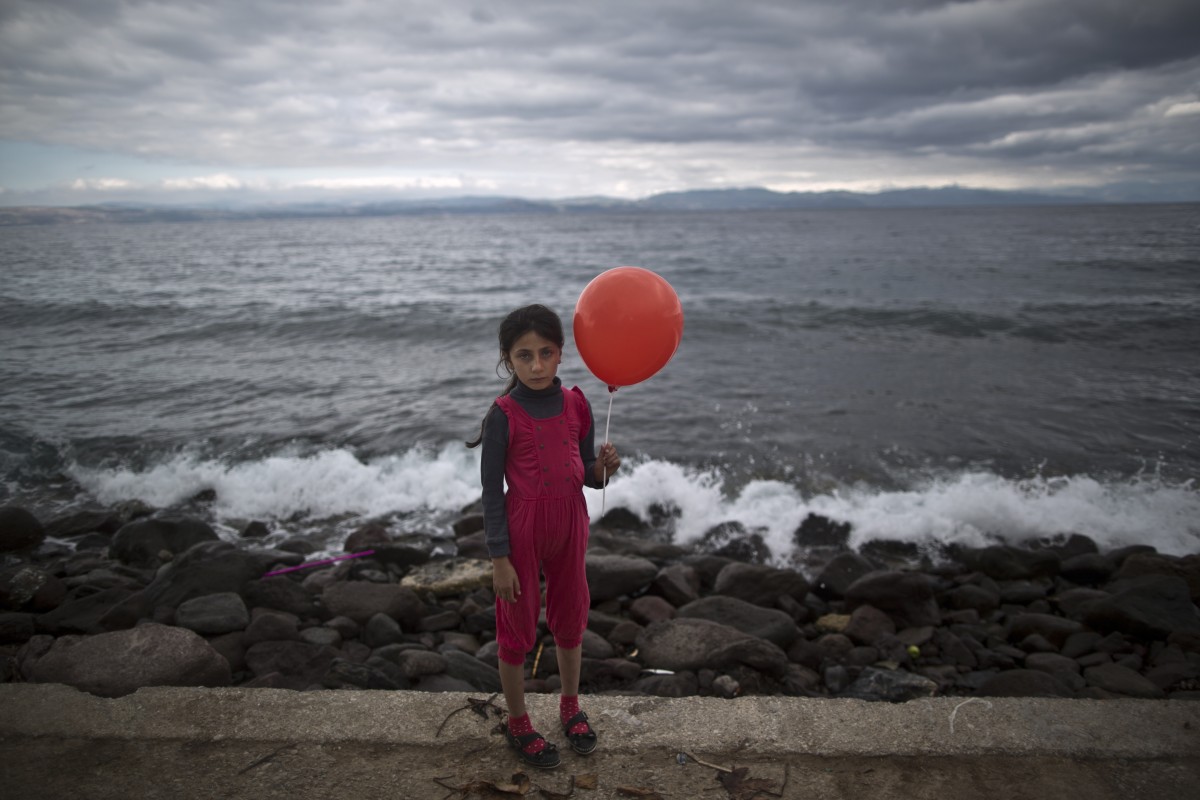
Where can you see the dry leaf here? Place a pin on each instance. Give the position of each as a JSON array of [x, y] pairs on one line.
[[589, 781]]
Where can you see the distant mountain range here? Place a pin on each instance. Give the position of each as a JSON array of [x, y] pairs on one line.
[[750, 199]]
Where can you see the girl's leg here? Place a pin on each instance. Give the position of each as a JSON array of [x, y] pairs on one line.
[[512, 679], [569, 661]]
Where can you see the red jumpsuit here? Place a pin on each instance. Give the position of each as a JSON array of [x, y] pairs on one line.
[[547, 526]]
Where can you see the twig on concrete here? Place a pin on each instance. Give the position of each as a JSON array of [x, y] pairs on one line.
[[480, 707], [707, 764]]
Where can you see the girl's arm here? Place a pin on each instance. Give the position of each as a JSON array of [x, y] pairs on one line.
[[495, 519]]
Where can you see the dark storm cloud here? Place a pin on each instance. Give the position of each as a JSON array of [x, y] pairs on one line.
[[655, 92]]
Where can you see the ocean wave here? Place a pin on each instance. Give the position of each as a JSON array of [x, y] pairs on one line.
[[969, 507]]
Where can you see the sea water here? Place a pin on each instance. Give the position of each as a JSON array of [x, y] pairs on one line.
[[926, 375]]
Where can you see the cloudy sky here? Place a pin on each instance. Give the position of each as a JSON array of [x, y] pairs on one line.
[[281, 100]]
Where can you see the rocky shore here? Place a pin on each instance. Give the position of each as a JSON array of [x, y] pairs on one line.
[[149, 599]]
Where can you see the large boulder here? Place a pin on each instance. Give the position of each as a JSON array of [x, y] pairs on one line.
[[141, 542], [1149, 607], [212, 614], [19, 530], [1141, 564], [1122, 680], [693, 644], [906, 597], [764, 623], [1005, 563], [118, 663], [760, 584], [613, 576], [361, 600], [466, 667], [208, 568]]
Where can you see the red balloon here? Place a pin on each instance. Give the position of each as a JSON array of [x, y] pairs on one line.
[[628, 323]]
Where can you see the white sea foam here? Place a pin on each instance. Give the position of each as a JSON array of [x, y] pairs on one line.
[[971, 507], [325, 484]]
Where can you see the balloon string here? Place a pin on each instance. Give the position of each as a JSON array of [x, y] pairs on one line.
[[604, 483]]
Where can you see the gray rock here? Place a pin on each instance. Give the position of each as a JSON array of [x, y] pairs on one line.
[[479, 675], [691, 644], [416, 664], [596, 646], [88, 611], [208, 568], [1004, 563], [1148, 607], [1054, 629], [1024, 683], [1122, 680], [612, 576], [268, 626], [24, 587], [682, 684], [1073, 603], [1142, 564], [140, 542], [759, 584], [320, 635], [838, 575], [1087, 569], [868, 625], [891, 685], [650, 608], [118, 663], [1022, 593], [907, 597], [975, 597], [1053, 663], [299, 664], [764, 623], [212, 614], [19, 530], [381, 630], [361, 600], [282, 594], [343, 674], [678, 584]]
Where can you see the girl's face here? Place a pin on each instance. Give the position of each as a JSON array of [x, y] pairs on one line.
[[534, 360]]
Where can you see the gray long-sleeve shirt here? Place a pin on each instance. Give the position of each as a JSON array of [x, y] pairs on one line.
[[539, 404]]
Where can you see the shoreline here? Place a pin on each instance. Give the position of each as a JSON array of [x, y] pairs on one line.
[[709, 620]]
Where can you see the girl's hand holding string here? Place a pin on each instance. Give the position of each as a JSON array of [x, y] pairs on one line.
[[607, 462], [504, 580]]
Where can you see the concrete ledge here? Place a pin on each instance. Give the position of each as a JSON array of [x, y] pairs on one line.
[[1085, 729]]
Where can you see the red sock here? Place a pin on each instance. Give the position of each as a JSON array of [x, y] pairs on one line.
[[568, 706], [519, 726]]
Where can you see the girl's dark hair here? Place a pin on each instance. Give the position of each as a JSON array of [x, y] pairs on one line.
[[536, 318]]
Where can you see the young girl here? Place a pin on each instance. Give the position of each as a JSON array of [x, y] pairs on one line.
[[539, 438]]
